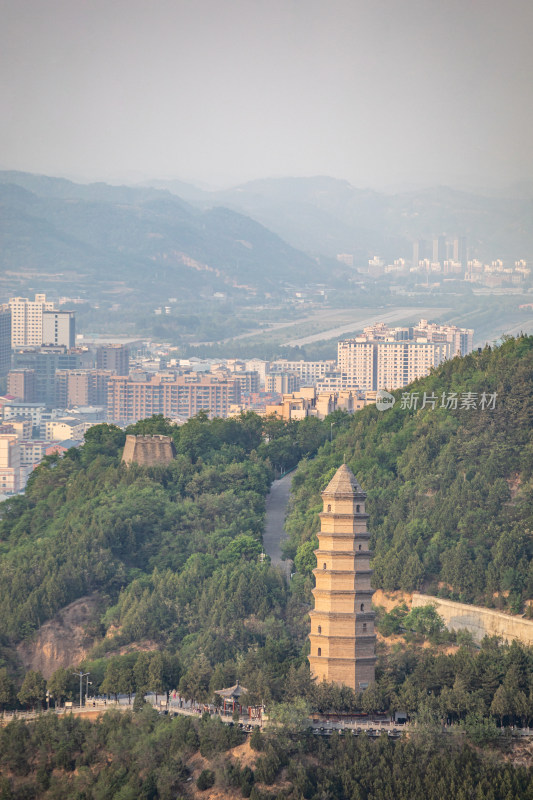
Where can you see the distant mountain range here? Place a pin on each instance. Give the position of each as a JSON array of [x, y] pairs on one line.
[[246, 240], [329, 216], [139, 237]]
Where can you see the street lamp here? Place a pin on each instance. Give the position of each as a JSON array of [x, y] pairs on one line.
[[89, 683], [81, 676]]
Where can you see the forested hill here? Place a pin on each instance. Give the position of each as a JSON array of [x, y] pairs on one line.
[[450, 491], [172, 552]]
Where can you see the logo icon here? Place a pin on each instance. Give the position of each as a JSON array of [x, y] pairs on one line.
[[384, 400]]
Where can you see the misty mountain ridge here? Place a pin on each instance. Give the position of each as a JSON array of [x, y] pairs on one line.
[[249, 239], [330, 216], [140, 237]]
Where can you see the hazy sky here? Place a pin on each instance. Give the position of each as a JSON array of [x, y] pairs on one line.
[[380, 92]]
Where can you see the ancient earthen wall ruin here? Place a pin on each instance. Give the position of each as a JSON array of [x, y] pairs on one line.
[[147, 451]]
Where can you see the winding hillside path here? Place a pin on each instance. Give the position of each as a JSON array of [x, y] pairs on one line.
[[276, 510]]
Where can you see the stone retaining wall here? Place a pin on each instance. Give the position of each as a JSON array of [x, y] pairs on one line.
[[478, 620]]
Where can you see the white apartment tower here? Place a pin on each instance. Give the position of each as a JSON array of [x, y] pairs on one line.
[[27, 320], [390, 358], [59, 328]]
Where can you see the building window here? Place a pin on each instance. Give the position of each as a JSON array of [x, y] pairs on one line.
[[362, 606], [320, 628], [319, 651], [324, 566]]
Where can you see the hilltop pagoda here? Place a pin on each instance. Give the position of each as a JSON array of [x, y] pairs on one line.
[[343, 642]]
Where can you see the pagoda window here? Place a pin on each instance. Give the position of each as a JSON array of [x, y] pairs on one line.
[[320, 628], [319, 651], [364, 627], [362, 606], [357, 509], [360, 547], [324, 567], [329, 507]]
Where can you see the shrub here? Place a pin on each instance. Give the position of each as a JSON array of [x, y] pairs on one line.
[[206, 779]]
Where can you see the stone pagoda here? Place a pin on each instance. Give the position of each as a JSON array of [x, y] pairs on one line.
[[343, 642]]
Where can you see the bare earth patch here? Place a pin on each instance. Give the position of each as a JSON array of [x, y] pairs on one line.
[[62, 641]]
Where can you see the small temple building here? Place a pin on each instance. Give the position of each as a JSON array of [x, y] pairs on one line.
[[343, 641]]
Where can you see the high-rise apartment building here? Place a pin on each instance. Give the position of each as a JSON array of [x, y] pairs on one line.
[[248, 381], [460, 340], [282, 382], [21, 384], [27, 320], [81, 387], [183, 396], [389, 358], [387, 364], [400, 363], [10, 467], [45, 361], [5, 340], [59, 328], [114, 357], [460, 251], [439, 250], [357, 361]]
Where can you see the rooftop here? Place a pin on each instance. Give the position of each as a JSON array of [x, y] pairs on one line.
[[344, 482], [233, 691]]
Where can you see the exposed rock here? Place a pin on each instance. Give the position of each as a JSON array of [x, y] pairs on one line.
[[62, 641]]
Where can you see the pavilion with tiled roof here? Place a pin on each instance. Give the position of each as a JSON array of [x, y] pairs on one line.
[[232, 695]]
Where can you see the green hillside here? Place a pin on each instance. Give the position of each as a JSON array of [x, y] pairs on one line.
[[143, 238], [172, 553], [449, 490]]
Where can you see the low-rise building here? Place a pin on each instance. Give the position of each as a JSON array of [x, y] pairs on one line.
[[32, 411], [23, 428], [65, 428], [32, 452], [307, 402]]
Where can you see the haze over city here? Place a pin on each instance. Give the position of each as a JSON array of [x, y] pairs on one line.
[[383, 94]]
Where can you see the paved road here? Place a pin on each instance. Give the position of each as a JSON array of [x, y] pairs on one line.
[[358, 324], [276, 510]]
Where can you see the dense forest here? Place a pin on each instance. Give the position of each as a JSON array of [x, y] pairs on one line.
[[174, 556], [145, 757], [450, 489], [172, 553]]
